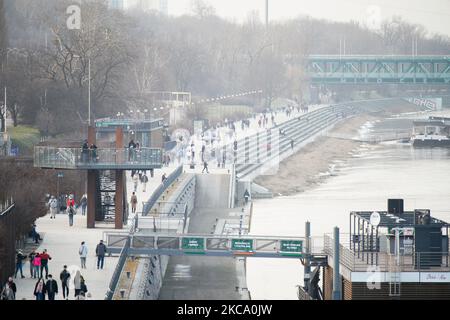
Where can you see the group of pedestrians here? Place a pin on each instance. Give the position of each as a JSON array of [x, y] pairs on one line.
[[89, 152], [49, 289], [46, 286], [70, 207], [139, 177], [38, 263], [133, 150]]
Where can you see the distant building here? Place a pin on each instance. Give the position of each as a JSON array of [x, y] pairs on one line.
[[162, 6], [116, 4]]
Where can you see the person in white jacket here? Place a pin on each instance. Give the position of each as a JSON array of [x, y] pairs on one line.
[[53, 205], [83, 254]]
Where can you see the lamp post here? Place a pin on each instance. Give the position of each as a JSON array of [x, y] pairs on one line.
[[89, 94]]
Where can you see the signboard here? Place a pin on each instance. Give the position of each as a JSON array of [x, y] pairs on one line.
[[193, 244], [375, 219], [291, 247], [435, 277], [242, 244], [429, 103], [14, 151], [408, 231]]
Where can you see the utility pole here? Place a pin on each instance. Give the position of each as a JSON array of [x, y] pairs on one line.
[[267, 13], [89, 98], [6, 110]]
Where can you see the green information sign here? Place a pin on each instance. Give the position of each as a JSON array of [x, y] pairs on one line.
[[242, 244], [291, 246], [193, 244]]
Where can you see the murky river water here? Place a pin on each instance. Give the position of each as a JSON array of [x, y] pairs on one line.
[[375, 173]]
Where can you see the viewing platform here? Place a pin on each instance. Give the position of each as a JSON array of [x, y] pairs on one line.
[[97, 159]]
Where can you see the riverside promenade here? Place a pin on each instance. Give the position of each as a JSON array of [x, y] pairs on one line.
[[62, 241]]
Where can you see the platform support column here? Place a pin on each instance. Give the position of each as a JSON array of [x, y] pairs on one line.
[[92, 197], [336, 275], [91, 185], [120, 184], [307, 268]]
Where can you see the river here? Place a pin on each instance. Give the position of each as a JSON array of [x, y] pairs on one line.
[[363, 182]]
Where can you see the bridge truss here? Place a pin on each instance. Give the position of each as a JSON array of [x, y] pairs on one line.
[[331, 69]]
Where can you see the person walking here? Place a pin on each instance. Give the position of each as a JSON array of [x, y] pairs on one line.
[[83, 251], [53, 205], [71, 209], [37, 266], [39, 289], [135, 182], [64, 276], [85, 152], [35, 234], [144, 182], [51, 287], [205, 167], [163, 178], [133, 201], [19, 263], [100, 251], [131, 150], [246, 196], [83, 287], [83, 203], [77, 283], [31, 258], [44, 263], [9, 290]]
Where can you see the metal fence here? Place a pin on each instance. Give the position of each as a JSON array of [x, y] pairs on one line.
[[413, 262], [7, 240], [118, 270], [216, 245], [167, 223], [161, 189], [72, 158]]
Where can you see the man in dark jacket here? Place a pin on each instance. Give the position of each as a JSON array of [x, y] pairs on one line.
[[19, 258], [51, 287], [100, 251], [64, 277]]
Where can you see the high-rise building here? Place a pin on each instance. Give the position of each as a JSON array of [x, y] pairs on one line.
[[164, 7], [116, 4], [161, 6]]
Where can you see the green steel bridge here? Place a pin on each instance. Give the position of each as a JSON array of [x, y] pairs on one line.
[[367, 69]]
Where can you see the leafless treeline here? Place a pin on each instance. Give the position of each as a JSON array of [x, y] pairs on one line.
[[45, 65]]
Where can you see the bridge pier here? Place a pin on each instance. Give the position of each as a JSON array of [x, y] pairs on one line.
[[92, 198]]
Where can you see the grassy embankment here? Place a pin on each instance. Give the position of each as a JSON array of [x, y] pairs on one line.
[[25, 138]]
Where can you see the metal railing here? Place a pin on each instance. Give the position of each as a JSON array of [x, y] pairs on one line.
[[73, 158], [118, 270], [215, 245], [166, 223], [161, 189], [414, 262]]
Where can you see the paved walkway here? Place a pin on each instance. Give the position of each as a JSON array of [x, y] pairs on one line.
[[226, 136], [62, 243]]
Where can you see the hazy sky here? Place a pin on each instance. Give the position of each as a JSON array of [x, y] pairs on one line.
[[433, 14]]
